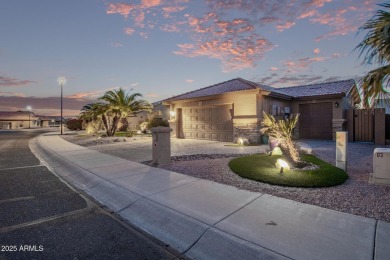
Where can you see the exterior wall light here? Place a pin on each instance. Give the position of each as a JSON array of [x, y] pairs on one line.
[[336, 104], [172, 113]]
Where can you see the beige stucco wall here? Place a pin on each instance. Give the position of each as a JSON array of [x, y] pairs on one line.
[[247, 107]]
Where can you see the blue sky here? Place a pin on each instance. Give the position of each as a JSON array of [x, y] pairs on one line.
[[163, 48]]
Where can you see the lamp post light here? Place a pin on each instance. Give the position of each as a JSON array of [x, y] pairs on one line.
[[61, 81], [29, 114]]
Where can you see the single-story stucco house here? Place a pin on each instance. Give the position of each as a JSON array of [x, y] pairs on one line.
[[50, 121], [233, 109], [18, 119]]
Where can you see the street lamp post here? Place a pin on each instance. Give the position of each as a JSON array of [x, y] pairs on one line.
[[29, 114], [61, 81]]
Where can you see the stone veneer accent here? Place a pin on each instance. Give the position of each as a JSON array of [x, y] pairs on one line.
[[337, 125], [250, 131], [172, 125]]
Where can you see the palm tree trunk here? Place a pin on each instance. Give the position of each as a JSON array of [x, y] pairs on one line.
[[291, 151], [106, 124]]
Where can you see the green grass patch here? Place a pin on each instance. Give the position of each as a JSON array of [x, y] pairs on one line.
[[240, 145], [261, 167], [124, 134]]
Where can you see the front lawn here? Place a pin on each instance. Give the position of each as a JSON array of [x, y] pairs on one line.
[[261, 167]]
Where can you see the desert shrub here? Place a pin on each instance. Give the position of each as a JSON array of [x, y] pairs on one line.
[[156, 122], [74, 124]]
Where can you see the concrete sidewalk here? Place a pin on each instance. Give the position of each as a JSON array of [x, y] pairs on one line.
[[207, 220]]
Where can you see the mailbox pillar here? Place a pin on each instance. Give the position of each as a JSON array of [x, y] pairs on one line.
[[341, 149], [161, 145]]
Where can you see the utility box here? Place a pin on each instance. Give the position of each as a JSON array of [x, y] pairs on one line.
[[161, 146], [341, 149], [381, 166]]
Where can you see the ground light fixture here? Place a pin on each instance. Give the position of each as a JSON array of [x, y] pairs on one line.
[[29, 108], [61, 81], [282, 165]]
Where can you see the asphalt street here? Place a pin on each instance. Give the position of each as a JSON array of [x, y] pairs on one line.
[[41, 217]]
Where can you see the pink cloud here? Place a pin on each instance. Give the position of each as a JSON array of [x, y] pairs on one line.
[[173, 9], [340, 30], [44, 106], [307, 14], [12, 82], [301, 63], [234, 54], [120, 8], [287, 25], [317, 3], [273, 68], [189, 80], [11, 94], [170, 28], [316, 51], [129, 31], [150, 3]]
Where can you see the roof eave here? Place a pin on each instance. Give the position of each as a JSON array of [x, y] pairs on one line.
[[279, 95], [328, 96]]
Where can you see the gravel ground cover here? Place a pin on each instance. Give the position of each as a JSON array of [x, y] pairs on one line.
[[355, 196]]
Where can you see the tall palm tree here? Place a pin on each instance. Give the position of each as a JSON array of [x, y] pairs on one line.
[[374, 87], [117, 105]]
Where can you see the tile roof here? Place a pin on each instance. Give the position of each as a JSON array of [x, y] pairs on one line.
[[239, 84], [320, 89], [19, 115], [232, 85], [49, 118]]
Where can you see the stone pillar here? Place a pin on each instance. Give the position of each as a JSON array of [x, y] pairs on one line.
[[161, 146], [341, 149]]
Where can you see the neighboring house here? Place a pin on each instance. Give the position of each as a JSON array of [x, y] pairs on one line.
[[50, 121], [19, 119], [159, 110], [233, 109]]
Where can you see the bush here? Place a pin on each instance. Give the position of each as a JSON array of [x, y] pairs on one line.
[[156, 122], [74, 124]]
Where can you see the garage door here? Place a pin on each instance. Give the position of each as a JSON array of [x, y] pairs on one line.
[[315, 121], [209, 123]]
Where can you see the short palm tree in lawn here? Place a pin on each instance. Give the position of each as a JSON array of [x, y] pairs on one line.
[[374, 87], [118, 104], [281, 130]]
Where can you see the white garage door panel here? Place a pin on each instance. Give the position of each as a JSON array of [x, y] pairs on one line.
[[210, 123]]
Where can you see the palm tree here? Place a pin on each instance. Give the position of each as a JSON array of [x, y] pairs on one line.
[[374, 87], [281, 130], [117, 105], [91, 114]]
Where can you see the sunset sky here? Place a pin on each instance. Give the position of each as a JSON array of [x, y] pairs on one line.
[[163, 48]]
